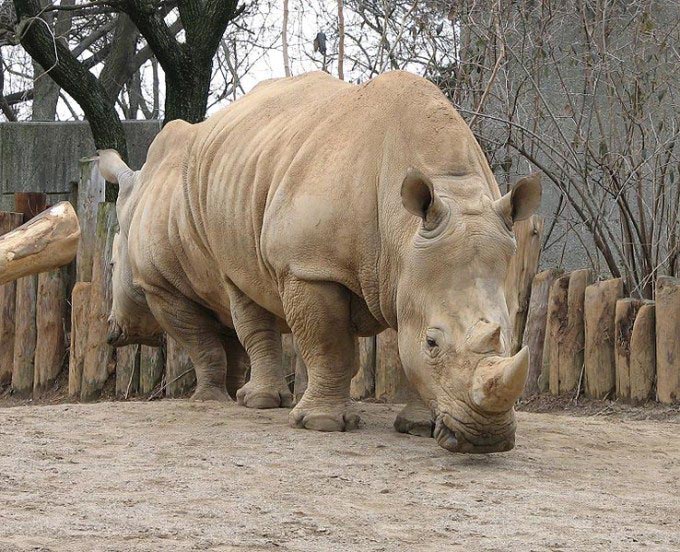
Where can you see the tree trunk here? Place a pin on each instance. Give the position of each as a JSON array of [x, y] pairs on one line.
[[624, 320], [643, 354], [187, 92], [668, 339], [600, 367], [534, 330]]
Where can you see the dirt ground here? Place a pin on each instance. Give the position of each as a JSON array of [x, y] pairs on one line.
[[175, 475]]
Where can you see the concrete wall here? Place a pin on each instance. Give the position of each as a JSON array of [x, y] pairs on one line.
[[43, 157]]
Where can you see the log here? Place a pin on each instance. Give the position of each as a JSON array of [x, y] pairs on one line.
[[363, 383], [555, 327], [521, 272], [80, 303], [180, 376], [600, 366], [25, 336], [90, 195], [668, 339], [98, 353], [30, 204], [390, 381], [127, 371], [571, 342], [643, 354], [50, 350], [44, 243], [534, 329], [624, 320], [8, 222], [151, 364]]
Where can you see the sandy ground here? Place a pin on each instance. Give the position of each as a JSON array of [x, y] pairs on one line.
[[175, 475]]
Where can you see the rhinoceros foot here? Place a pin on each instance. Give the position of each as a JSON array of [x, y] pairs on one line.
[[323, 416], [258, 395], [210, 394], [415, 419]]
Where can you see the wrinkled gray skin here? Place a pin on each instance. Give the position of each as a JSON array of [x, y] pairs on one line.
[[331, 210]]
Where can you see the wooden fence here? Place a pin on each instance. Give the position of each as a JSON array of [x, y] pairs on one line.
[[580, 333]]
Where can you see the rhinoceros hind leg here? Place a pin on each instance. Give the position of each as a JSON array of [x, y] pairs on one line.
[[238, 363], [415, 419], [258, 332], [318, 314], [201, 336]]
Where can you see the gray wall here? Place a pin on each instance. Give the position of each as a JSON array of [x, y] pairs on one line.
[[43, 157]]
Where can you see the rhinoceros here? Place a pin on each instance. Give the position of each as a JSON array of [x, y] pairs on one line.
[[330, 210]]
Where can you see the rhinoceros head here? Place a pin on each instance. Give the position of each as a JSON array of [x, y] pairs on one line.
[[454, 327]]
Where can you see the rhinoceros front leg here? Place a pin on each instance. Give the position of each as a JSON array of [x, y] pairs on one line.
[[238, 363], [319, 317], [197, 331], [415, 418], [257, 330]]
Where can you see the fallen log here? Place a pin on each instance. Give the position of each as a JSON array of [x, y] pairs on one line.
[[624, 320], [46, 242], [668, 339], [600, 366], [534, 330]]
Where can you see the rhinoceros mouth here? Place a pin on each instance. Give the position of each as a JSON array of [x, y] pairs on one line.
[[450, 435]]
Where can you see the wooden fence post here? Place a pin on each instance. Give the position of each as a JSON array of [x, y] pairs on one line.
[[90, 195], [151, 365], [8, 222], [29, 204], [127, 371], [98, 363], [534, 330], [555, 325], [390, 382], [50, 351], [600, 366], [363, 383], [643, 354], [668, 339], [573, 341], [521, 272], [179, 371], [80, 314], [624, 320]]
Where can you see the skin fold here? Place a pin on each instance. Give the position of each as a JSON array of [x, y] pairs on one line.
[[333, 211]]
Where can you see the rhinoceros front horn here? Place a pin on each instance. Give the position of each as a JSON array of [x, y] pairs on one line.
[[499, 381]]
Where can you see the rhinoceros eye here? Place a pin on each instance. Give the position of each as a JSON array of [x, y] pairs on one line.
[[431, 341]]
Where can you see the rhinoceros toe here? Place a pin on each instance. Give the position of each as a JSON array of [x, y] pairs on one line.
[[305, 416], [253, 395]]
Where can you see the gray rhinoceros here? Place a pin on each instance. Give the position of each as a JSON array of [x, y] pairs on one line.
[[333, 211]]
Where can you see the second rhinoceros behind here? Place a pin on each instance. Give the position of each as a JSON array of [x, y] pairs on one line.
[[333, 211]]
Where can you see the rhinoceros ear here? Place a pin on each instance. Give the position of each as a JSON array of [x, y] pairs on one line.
[[420, 199], [523, 200]]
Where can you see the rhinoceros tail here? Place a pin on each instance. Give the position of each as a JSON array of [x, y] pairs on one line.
[[112, 166]]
